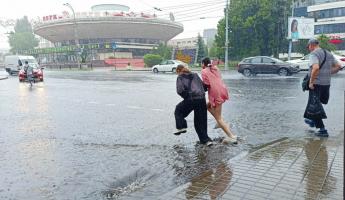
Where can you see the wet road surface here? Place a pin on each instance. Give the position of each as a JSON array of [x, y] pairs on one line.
[[108, 135]]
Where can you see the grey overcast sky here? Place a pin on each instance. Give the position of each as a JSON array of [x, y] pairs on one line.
[[187, 12]]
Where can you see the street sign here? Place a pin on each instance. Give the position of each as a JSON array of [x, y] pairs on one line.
[[113, 46]]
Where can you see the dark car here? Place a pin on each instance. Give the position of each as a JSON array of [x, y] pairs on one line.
[[266, 65]]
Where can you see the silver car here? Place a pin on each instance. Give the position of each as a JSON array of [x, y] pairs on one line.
[[167, 66], [304, 61]]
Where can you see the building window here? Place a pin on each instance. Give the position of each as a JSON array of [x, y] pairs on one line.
[[330, 28], [329, 13]]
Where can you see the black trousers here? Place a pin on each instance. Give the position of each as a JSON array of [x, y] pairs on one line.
[[322, 91], [184, 108]]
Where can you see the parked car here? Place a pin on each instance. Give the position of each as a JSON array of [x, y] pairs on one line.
[[266, 65], [38, 73], [304, 61], [340, 59], [167, 66], [13, 63]]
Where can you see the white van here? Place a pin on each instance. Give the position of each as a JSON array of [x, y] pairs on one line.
[[14, 63]]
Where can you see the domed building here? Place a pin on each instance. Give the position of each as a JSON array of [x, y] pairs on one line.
[[108, 30]]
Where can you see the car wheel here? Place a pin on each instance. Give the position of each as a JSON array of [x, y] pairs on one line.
[[247, 72], [155, 70], [283, 72], [173, 70]]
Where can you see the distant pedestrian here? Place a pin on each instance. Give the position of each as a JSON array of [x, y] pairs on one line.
[[217, 95], [190, 87], [129, 67], [29, 70], [322, 65]]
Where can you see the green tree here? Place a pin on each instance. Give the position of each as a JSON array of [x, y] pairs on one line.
[[256, 27], [163, 50], [213, 51], [301, 46], [325, 44], [22, 25], [83, 55], [219, 41], [202, 49], [152, 59], [23, 38]]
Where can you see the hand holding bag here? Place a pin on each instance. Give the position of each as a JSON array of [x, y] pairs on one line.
[[314, 109]]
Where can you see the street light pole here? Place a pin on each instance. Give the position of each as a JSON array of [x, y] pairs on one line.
[[75, 31], [290, 40], [226, 35]]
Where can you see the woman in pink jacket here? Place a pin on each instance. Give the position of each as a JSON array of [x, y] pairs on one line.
[[217, 95]]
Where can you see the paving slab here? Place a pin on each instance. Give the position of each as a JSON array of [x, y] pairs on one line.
[[306, 168]]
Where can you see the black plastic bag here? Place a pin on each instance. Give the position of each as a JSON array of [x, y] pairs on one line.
[[314, 109]]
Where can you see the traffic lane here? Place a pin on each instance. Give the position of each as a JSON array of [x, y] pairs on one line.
[[78, 147], [121, 111], [270, 107]]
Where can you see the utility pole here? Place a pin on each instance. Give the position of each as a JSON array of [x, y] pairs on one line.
[[290, 40], [75, 32], [226, 35]]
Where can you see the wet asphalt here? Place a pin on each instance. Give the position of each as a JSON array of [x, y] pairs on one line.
[[108, 134]]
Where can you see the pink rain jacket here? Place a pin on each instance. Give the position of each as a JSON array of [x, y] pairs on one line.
[[217, 91]]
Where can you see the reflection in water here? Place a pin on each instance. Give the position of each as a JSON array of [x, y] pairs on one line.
[[32, 104], [316, 168], [203, 167], [217, 181]]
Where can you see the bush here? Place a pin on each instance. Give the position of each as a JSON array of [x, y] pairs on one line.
[[232, 65], [152, 59]]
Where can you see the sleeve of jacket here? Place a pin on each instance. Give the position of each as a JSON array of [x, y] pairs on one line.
[[205, 81], [180, 89]]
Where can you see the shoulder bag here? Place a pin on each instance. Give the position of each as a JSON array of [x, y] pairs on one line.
[[306, 79]]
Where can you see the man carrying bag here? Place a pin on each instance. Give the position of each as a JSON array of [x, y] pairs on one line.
[[322, 65]]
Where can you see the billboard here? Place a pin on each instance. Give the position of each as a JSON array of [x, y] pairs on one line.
[[185, 55], [300, 28]]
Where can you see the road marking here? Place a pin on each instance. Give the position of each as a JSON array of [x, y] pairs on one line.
[[290, 97], [133, 107], [92, 102], [110, 104], [157, 109]]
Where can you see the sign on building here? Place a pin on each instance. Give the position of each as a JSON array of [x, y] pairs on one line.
[[300, 28], [185, 55]]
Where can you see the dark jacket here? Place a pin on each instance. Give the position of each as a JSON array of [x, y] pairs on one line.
[[189, 86]]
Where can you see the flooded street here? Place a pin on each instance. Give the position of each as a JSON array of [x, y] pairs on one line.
[[108, 135]]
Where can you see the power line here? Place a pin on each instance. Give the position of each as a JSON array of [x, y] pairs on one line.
[[200, 12], [145, 3], [197, 13], [192, 4], [188, 11], [187, 6], [200, 18]]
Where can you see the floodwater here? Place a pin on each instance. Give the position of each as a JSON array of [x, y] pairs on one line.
[[108, 135]]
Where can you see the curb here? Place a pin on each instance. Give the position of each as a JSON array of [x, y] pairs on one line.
[[3, 78]]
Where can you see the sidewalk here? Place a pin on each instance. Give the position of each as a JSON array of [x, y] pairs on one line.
[[307, 168]]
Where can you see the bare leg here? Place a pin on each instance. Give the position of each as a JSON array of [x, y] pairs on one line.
[[217, 114]]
